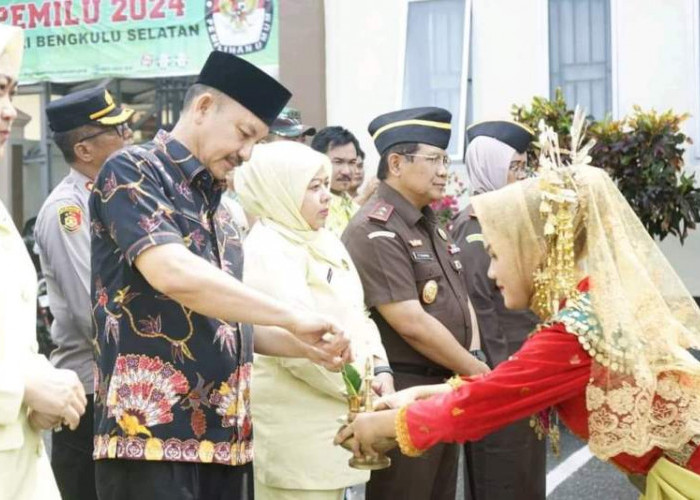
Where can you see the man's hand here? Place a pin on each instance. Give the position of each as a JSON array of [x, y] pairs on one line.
[[43, 421], [55, 392], [311, 327], [331, 352], [383, 384]]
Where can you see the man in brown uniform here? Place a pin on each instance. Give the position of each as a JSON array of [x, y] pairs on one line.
[[410, 271], [509, 463]]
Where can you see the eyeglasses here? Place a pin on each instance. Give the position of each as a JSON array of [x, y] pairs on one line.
[[122, 131], [520, 169], [434, 159]]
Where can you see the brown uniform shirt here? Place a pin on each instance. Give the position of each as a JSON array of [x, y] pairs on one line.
[[401, 254], [502, 330]]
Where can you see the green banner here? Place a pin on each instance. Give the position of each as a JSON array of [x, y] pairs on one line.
[[74, 40]]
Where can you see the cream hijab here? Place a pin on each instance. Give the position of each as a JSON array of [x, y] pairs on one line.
[[272, 185], [11, 49], [487, 160]]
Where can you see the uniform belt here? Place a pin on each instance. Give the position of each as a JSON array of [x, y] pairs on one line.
[[425, 371]]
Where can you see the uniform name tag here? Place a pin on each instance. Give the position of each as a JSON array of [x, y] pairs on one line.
[[422, 256]]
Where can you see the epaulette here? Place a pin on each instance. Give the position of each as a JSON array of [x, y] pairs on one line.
[[381, 211]]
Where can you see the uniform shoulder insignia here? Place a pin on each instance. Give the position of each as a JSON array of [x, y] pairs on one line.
[[70, 217], [471, 238], [381, 211]]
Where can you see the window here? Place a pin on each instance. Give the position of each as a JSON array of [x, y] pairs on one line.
[[434, 60], [580, 54]]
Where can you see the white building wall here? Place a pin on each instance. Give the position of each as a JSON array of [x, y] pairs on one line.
[[364, 51], [655, 65], [510, 55]]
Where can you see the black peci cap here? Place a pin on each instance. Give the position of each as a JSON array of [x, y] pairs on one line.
[[421, 125], [246, 84], [90, 106], [516, 135]]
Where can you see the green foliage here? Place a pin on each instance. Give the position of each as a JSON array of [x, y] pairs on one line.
[[643, 153], [352, 379]]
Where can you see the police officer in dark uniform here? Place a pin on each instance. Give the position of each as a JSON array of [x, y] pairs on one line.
[[88, 126], [412, 280], [509, 463]]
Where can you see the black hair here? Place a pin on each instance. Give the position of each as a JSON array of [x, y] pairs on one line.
[[405, 148], [67, 140], [332, 137]]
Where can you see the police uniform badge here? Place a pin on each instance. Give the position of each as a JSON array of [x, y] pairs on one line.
[[430, 291], [70, 218]]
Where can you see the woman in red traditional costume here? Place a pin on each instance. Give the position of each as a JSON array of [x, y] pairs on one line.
[[611, 357]]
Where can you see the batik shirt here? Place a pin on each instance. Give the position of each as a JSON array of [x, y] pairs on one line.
[[341, 210], [171, 384]]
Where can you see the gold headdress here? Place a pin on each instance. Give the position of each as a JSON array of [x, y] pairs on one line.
[[556, 278], [638, 320]]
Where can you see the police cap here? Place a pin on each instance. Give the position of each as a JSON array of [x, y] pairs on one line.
[[90, 106]]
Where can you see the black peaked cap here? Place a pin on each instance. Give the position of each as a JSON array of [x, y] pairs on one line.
[[90, 106]]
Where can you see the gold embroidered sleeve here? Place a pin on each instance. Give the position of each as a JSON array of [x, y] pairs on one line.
[[402, 435], [455, 382]]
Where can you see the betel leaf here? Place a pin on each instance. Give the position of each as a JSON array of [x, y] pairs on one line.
[[352, 379]]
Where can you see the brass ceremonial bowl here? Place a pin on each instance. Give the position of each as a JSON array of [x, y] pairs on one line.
[[381, 461]]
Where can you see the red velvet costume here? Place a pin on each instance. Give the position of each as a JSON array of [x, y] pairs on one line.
[[550, 370]]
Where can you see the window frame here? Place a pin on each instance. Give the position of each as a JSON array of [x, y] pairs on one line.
[[464, 84], [614, 67]]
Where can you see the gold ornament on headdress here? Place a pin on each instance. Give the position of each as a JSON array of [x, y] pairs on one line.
[[555, 280]]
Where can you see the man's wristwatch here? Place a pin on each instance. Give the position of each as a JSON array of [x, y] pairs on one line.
[[383, 369]]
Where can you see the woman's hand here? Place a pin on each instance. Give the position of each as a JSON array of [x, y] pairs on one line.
[[398, 399], [55, 392], [477, 367], [43, 421], [408, 396], [366, 430]]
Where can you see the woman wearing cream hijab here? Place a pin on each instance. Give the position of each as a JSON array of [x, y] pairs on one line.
[[291, 256], [33, 394]]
